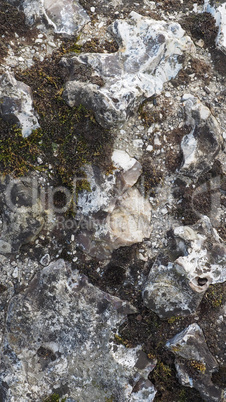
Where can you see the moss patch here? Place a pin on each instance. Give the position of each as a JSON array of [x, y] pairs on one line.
[[68, 137]]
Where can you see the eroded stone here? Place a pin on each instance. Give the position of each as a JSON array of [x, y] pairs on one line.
[[148, 56]]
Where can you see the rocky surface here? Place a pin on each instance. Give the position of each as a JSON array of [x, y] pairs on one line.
[[112, 201]]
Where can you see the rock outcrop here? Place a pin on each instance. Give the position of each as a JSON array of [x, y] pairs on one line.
[[60, 336], [149, 55]]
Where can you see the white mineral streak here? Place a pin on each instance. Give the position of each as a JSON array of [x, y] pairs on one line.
[[219, 13], [146, 59]]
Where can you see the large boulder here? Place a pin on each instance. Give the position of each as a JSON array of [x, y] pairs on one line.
[[59, 339], [149, 55]]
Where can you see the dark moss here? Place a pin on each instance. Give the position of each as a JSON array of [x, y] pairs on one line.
[[201, 26], [68, 137], [12, 21]]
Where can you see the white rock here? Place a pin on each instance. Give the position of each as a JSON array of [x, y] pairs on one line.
[[219, 13], [146, 59]]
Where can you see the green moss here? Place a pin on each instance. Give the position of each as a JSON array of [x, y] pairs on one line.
[[54, 398], [68, 138]]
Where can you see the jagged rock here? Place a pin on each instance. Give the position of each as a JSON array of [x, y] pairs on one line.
[[129, 222], [60, 335], [219, 13], [22, 214], [205, 256], [177, 288], [115, 213], [167, 291], [203, 143], [131, 168], [148, 56], [194, 362], [16, 104], [65, 16]]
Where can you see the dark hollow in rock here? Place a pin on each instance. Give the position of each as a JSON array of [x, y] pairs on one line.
[[202, 281]]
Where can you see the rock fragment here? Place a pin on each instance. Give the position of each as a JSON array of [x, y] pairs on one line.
[[194, 362], [16, 104], [203, 143]]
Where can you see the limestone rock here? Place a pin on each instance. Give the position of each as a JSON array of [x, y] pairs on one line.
[[22, 214], [129, 222], [167, 291], [60, 337], [16, 105], [148, 56], [203, 143], [194, 362], [219, 13], [177, 288], [113, 214], [65, 16]]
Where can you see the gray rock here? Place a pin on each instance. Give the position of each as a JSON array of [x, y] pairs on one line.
[[22, 214], [218, 10], [194, 362], [167, 291], [148, 56], [177, 288], [60, 336], [203, 143], [16, 105], [66, 16]]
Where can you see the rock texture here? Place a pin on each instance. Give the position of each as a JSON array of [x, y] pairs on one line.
[[61, 341], [204, 139], [112, 244], [148, 56], [177, 288], [192, 353], [17, 104]]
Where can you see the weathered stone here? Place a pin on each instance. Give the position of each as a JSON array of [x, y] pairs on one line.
[[202, 264], [60, 336], [177, 288], [167, 291], [219, 13], [22, 214], [129, 222], [194, 362], [113, 214], [16, 105], [203, 143], [148, 56], [65, 16]]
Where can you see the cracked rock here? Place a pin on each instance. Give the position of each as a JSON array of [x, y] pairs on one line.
[[149, 55], [60, 332]]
